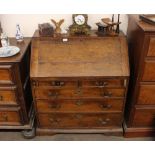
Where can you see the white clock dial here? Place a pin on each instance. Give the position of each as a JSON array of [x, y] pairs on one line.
[[79, 19]]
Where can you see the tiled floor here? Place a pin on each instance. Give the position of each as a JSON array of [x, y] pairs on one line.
[[13, 136]]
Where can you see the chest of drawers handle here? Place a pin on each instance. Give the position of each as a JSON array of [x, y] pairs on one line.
[[104, 122], [53, 94], [1, 98], [79, 103], [101, 83], [54, 120], [105, 106], [78, 116], [106, 94], [57, 83], [55, 106]]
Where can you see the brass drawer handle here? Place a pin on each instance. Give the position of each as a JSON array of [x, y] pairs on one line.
[[104, 122], [107, 94], [54, 120], [101, 83], [55, 106], [57, 83], [78, 116], [105, 106], [53, 94], [1, 98], [79, 103]]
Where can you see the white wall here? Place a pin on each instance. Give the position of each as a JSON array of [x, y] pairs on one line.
[[29, 22]]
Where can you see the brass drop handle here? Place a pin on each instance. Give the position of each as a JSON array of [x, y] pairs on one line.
[[1, 98], [101, 83], [54, 120], [55, 106], [57, 83], [105, 106], [78, 116], [79, 103], [107, 94], [104, 122], [53, 94]]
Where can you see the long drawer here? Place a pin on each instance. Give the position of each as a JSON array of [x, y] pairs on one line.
[[144, 117], [10, 116], [79, 120], [50, 93], [8, 96], [79, 105]]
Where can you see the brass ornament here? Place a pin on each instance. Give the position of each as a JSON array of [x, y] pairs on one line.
[[57, 26]]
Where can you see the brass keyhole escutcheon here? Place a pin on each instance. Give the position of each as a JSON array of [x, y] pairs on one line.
[[78, 91]]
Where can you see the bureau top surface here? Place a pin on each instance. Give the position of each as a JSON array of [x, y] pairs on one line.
[[94, 57], [23, 47]]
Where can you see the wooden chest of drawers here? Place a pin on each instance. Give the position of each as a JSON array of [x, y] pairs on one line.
[[16, 110], [79, 86], [140, 110]]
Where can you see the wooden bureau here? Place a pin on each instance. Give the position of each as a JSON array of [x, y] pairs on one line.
[[140, 109], [16, 111], [79, 86]]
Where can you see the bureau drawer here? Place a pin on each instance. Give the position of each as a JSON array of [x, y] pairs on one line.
[[144, 117], [149, 71], [151, 49], [6, 74], [79, 120], [10, 116], [146, 95], [80, 105], [104, 83], [50, 93], [8, 96], [56, 83]]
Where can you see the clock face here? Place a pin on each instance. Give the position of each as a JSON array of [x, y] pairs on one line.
[[79, 19]]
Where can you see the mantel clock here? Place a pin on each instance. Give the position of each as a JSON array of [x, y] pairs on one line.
[[80, 26]]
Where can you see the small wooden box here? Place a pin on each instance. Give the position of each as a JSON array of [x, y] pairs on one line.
[[45, 29]]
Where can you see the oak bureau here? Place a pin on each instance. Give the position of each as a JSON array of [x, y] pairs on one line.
[[80, 85]]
